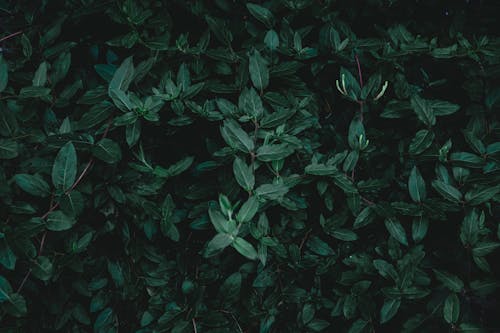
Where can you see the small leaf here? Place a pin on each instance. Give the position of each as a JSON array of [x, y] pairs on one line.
[[396, 230], [40, 75], [245, 248], [65, 167], [33, 184], [248, 210], [236, 137], [447, 191], [243, 174], [4, 74], [218, 243], [389, 309], [272, 40], [262, 14], [451, 309], [107, 150], [424, 110], [58, 221], [450, 281], [423, 139], [419, 228], [344, 235], [274, 152], [259, 71], [133, 133], [9, 149], [416, 186], [123, 76]]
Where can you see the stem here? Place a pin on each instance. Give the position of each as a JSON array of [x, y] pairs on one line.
[[54, 206], [11, 35], [360, 75]]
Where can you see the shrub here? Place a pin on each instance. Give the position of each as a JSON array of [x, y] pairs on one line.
[[233, 166]]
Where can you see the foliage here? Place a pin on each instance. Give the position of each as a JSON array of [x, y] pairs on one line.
[[234, 166]]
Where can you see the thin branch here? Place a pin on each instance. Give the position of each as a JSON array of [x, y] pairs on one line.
[[11, 35], [54, 206], [195, 330]]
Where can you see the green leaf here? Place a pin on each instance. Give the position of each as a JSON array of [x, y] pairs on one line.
[[133, 133], [7, 257], [236, 137], [480, 195], [321, 170], [249, 103], [8, 122], [218, 243], [259, 71], [9, 149], [423, 109], [443, 108], [423, 139], [248, 210], [365, 217], [447, 191], [451, 309], [58, 221], [40, 75], [272, 40], [396, 230], [262, 14], [107, 150], [344, 235], [65, 167], [385, 269], [271, 191], [469, 230], [389, 309], [244, 248], [484, 248], [243, 174], [450, 281], [274, 152], [467, 160], [4, 73], [416, 186], [123, 76], [42, 268], [33, 184], [419, 228], [484, 287]]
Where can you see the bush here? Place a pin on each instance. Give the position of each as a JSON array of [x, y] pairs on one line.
[[233, 166]]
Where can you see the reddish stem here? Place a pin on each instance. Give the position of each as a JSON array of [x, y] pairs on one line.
[[359, 71], [11, 35]]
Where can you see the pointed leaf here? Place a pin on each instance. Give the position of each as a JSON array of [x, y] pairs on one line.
[[65, 167]]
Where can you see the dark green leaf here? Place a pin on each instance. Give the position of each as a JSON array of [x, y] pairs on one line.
[[65, 167]]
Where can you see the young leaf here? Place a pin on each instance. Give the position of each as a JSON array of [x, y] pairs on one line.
[[65, 167]]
